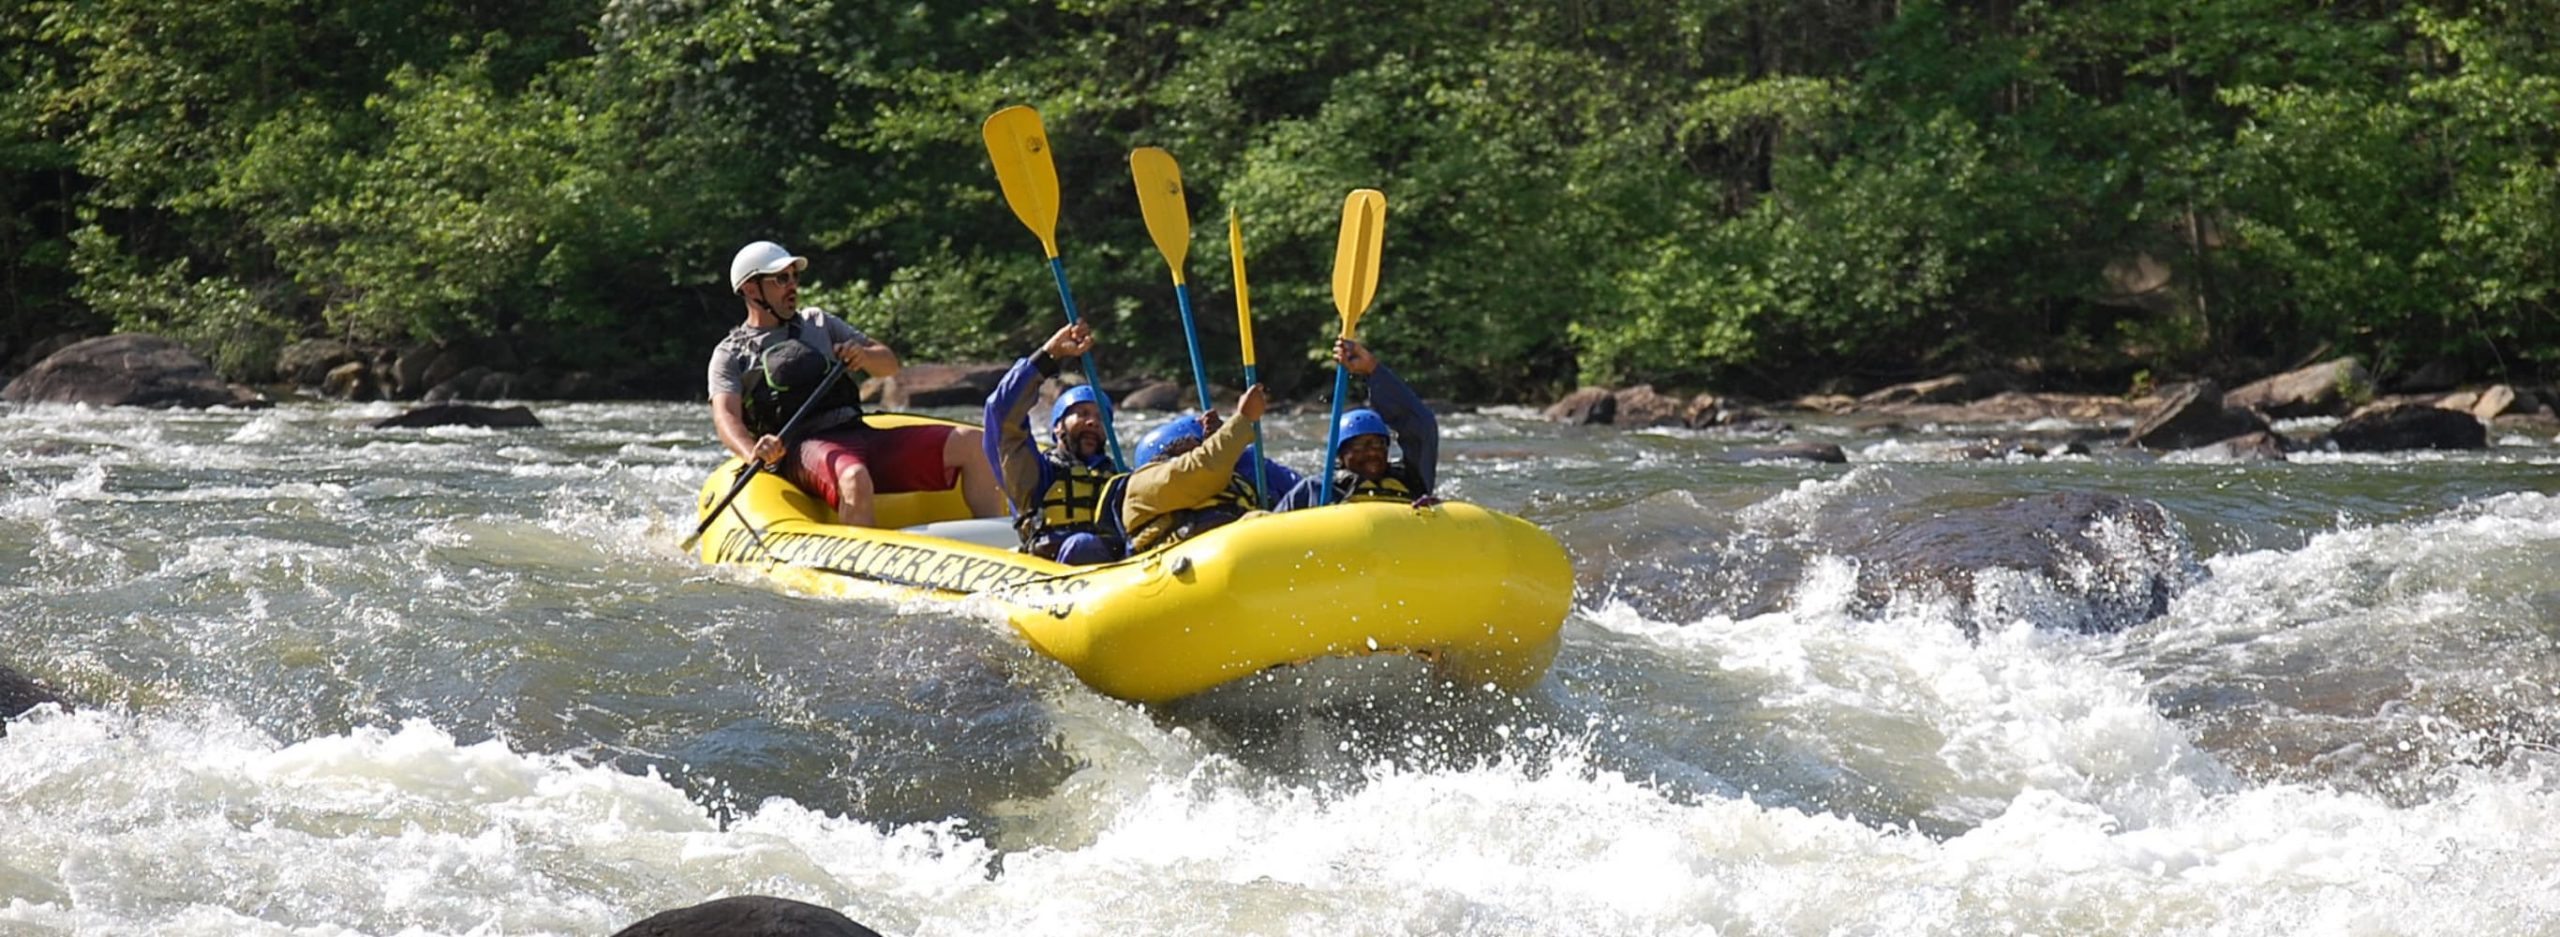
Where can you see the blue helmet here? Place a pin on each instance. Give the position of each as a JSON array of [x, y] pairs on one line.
[[1151, 447], [1081, 393], [1357, 423]]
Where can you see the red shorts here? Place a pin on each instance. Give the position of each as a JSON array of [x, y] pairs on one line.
[[907, 458]]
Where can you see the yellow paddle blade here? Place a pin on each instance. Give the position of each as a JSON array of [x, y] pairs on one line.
[[1020, 149], [1244, 297], [1355, 255], [1160, 198]]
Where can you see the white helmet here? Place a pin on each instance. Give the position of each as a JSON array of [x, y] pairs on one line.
[[760, 258]]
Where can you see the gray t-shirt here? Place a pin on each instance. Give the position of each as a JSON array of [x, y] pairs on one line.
[[746, 344]]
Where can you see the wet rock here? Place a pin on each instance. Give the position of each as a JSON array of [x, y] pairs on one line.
[[2252, 447], [352, 381], [1585, 407], [2192, 414], [1708, 410], [461, 414], [1953, 388], [1156, 396], [2015, 407], [19, 694], [2396, 428], [2085, 561], [2323, 389], [2489, 404], [311, 362], [941, 385], [748, 916], [1827, 403], [1641, 406], [1816, 452], [132, 369]]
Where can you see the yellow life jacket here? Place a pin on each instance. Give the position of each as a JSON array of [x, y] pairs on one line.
[[1072, 504], [1171, 527], [1352, 489]]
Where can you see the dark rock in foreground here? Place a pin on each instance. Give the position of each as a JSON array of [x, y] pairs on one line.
[[19, 694], [129, 370], [461, 414], [2409, 427], [2117, 561], [748, 916]]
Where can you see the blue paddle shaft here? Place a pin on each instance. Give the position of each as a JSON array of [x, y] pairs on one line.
[[1333, 430], [1058, 270], [1191, 334], [1261, 481]]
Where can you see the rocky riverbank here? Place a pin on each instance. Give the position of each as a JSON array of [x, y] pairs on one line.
[[2242, 422]]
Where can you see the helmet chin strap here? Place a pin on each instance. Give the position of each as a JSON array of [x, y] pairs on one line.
[[755, 300]]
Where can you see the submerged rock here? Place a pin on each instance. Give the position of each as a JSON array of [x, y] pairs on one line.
[[19, 694], [2083, 561], [461, 414], [748, 916]]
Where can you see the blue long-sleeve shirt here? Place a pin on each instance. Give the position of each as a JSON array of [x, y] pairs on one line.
[[1023, 468], [1417, 432]]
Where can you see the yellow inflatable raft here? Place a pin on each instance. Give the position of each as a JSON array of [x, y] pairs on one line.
[[1477, 593]]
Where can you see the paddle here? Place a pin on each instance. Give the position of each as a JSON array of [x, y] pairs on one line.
[[1168, 216], [747, 472], [1020, 150], [1244, 334], [1355, 283]]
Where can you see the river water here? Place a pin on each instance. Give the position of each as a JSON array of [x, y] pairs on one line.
[[348, 681]]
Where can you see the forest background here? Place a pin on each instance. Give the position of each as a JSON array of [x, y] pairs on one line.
[[1755, 196]]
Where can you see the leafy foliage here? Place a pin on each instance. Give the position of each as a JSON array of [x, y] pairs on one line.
[[1728, 193]]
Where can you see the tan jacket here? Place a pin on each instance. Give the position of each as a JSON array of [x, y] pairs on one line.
[[1193, 479]]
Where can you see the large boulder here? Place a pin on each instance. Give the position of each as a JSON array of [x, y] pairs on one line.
[[2090, 562], [1585, 407], [2391, 429], [1641, 405], [748, 916], [310, 362], [2192, 414], [941, 385], [2324, 389], [131, 369], [461, 414]]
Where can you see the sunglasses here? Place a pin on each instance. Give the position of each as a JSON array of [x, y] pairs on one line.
[[786, 278]]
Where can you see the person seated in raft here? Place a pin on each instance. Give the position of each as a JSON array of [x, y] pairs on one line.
[[1361, 469], [1186, 482], [1057, 490], [775, 361]]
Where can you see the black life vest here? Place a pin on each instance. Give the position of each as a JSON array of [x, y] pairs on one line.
[[1350, 488], [1072, 504], [783, 376], [1238, 500]]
